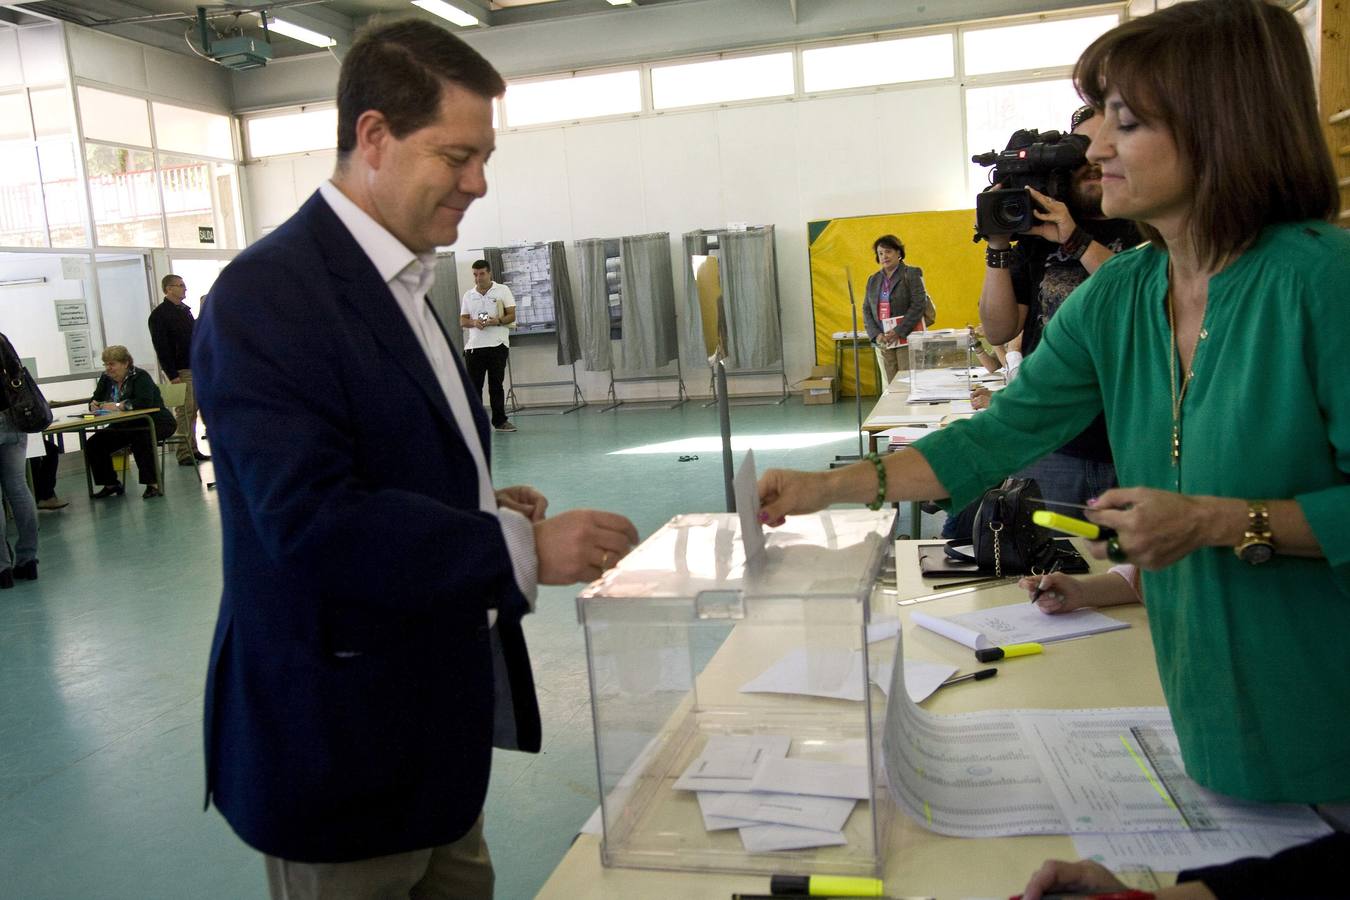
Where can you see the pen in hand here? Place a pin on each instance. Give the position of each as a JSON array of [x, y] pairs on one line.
[[1040, 587]]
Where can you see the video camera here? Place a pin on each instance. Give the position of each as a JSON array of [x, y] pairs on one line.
[[1044, 161]]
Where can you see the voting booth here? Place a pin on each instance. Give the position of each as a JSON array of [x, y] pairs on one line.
[[710, 755]]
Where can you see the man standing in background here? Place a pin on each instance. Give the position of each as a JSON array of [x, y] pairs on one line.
[[171, 326], [486, 310]]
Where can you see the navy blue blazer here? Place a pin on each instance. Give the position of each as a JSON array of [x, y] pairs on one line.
[[354, 690]]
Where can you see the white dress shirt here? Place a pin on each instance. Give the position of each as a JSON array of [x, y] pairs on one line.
[[409, 277], [474, 303]]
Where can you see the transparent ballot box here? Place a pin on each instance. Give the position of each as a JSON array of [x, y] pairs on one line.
[[939, 364], [734, 720]]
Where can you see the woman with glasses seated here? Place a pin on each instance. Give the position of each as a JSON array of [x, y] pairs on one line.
[[123, 387]]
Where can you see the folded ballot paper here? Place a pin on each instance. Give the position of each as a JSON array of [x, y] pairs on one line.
[[777, 802], [1016, 623]]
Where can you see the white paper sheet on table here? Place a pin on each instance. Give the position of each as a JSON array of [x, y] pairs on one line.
[[1172, 851], [908, 419], [1016, 623], [729, 762], [764, 838], [812, 776], [921, 678], [905, 434]]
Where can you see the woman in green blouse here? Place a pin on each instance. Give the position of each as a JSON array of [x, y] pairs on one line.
[[1216, 352], [124, 387]]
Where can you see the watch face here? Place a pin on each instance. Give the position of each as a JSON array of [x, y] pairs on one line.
[[1257, 553]]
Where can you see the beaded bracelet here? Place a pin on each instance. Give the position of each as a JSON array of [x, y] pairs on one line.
[[881, 481], [998, 259]]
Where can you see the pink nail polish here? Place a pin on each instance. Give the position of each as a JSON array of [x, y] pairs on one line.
[[763, 518], [1092, 501]]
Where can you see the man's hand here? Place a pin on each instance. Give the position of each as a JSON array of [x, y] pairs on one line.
[[178, 380], [980, 397], [580, 544], [1056, 223], [1057, 876], [525, 500]]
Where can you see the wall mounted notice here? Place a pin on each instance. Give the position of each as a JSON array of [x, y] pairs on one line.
[[72, 314], [80, 350]]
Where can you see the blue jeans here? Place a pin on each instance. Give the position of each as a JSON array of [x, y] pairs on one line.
[[1071, 479], [14, 488]]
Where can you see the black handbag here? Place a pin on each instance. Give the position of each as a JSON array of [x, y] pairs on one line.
[[1006, 541], [28, 409]]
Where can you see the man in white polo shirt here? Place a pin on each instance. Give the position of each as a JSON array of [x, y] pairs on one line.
[[486, 310]]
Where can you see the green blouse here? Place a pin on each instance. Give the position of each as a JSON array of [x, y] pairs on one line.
[[1252, 658]]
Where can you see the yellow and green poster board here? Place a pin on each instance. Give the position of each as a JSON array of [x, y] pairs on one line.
[[937, 242]]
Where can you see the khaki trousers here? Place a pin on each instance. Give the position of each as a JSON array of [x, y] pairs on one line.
[[462, 869], [891, 360], [187, 417]]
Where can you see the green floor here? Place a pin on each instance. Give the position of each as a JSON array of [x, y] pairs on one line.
[[102, 661]]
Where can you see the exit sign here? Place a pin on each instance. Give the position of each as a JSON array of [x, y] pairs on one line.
[[206, 235]]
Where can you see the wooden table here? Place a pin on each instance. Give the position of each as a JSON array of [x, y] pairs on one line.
[[90, 422], [1111, 669]]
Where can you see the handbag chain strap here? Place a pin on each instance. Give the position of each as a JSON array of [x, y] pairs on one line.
[[997, 527]]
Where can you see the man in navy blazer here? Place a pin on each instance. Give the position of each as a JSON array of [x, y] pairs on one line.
[[368, 653]]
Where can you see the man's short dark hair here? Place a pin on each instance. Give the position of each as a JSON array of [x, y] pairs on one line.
[[167, 280], [890, 241], [399, 69], [482, 264]]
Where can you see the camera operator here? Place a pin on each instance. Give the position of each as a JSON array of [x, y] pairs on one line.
[[1025, 285]]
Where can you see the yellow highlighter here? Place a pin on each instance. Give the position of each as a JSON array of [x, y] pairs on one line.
[[1070, 525]]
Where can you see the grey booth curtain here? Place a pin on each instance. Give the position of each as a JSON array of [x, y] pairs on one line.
[[569, 344], [750, 298], [648, 300], [493, 255], [444, 297], [593, 305], [693, 353]]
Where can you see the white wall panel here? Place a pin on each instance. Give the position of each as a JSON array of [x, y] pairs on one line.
[[193, 81], [926, 168], [682, 172], [758, 152], [604, 178], [271, 191], [532, 186], [841, 154], [106, 59]]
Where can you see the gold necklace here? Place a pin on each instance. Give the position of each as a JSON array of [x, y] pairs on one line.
[[1178, 397]]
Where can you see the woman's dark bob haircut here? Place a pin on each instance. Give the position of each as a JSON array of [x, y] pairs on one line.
[[1231, 80], [891, 241]]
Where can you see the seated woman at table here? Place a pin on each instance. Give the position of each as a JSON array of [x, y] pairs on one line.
[[124, 387], [1216, 353]]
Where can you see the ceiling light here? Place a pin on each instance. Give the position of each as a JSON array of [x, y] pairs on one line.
[[453, 14], [291, 30]]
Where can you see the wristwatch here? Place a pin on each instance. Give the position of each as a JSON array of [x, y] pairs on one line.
[[1258, 545]]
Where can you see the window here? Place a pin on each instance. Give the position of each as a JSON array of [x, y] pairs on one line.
[[124, 193], [52, 113], [1058, 42], [564, 99], [994, 113], [878, 62], [114, 117], [297, 132], [192, 131], [22, 221], [15, 124], [199, 202], [723, 80], [61, 188]]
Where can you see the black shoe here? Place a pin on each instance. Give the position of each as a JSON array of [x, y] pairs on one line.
[[186, 462], [27, 571], [151, 492], [116, 489], [6, 578], [200, 456]]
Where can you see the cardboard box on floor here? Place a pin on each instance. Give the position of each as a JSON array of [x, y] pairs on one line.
[[819, 386]]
